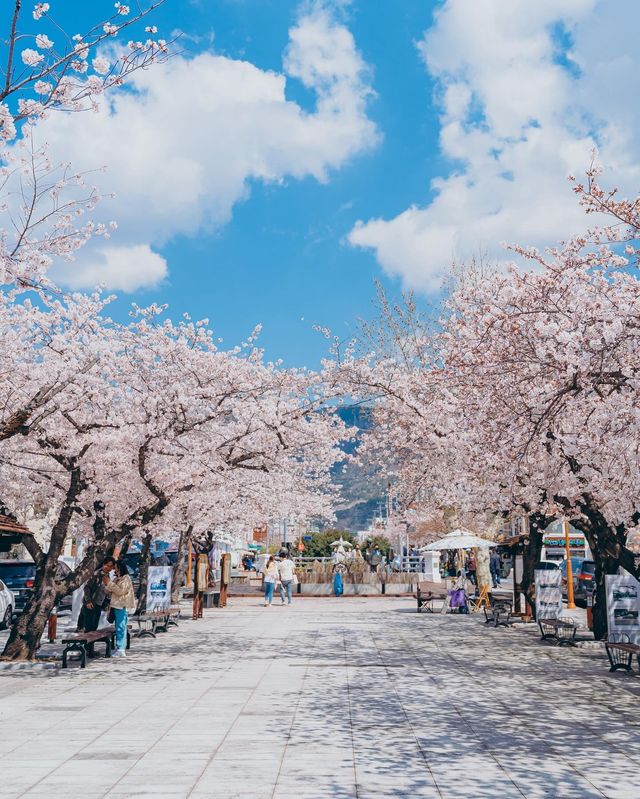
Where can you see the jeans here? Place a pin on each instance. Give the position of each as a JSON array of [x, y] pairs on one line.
[[122, 617], [268, 591], [286, 585], [496, 579]]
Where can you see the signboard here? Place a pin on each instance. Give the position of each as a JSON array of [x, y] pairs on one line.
[[159, 587], [548, 593], [260, 534], [555, 545], [623, 607]]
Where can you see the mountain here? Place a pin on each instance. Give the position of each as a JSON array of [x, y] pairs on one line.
[[363, 489]]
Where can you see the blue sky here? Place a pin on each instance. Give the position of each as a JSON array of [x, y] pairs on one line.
[[283, 260], [292, 153]]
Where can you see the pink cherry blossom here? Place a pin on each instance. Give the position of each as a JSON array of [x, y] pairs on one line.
[[31, 57]]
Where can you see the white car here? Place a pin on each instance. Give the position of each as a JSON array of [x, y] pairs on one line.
[[7, 606]]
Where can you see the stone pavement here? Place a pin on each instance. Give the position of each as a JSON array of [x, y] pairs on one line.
[[328, 698]]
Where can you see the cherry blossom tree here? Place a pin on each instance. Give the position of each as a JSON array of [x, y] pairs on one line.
[[159, 430], [523, 397], [52, 70]]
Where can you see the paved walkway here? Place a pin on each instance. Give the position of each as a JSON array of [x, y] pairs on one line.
[[328, 698]]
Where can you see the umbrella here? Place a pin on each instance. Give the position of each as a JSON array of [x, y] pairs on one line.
[[459, 539], [341, 543]]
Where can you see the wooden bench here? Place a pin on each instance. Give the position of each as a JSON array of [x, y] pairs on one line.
[[156, 621], [562, 631], [499, 613], [620, 654], [173, 616], [427, 592], [79, 642]]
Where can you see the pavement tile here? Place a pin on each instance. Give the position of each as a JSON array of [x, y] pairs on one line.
[[302, 704]]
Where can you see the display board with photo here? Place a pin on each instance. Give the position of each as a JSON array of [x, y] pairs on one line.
[[159, 587], [548, 593], [623, 607]]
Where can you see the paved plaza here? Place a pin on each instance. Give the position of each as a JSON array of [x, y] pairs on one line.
[[328, 698]]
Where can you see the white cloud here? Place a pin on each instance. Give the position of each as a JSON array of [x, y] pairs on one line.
[[184, 146], [518, 114], [118, 268]]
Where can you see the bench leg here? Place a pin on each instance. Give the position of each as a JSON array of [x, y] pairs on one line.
[[143, 632], [161, 625], [174, 623], [128, 639], [622, 661], [74, 647], [552, 636]]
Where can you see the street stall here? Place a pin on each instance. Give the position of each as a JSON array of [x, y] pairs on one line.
[[459, 541]]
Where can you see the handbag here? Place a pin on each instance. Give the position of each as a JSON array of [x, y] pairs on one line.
[[111, 616], [458, 598]]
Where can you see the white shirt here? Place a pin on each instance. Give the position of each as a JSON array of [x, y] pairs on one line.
[[287, 570]]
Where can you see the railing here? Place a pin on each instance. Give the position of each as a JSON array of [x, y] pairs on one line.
[[407, 564]]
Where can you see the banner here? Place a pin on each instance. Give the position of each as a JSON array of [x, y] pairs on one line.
[[548, 593], [623, 607], [159, 587]]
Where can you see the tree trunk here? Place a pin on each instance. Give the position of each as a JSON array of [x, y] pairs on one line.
[[145, 559], [180, 568], [25, 635], [531, 555], [604, 565]]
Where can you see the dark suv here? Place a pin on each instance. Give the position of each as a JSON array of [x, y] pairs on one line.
[[19, 577], [584, 581]]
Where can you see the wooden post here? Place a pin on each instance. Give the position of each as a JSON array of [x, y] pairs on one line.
[[567, 545], [52, 628], [189, 563]]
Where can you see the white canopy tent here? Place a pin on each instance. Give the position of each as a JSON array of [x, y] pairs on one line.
[[341, 543], [459, 539]]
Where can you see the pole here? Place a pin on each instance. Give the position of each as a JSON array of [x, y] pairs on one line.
[[570, 600], [189, 562], [52, 627]]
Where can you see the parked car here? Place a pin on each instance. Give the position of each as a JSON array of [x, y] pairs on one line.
[[576, 564], [585, 581], [7, 606], [19, 577]]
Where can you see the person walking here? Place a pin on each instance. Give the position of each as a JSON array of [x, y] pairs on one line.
[[95, 601], [472, 567], [287, 571], [270, 579], [494, 568], [123, 600]]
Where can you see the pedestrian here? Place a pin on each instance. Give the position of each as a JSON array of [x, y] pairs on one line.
[[95, 601], [287, 572], [494, 568], [270, 578], [472, 567], [123, 600]]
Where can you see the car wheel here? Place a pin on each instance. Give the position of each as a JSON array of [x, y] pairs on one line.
[[8, 616]]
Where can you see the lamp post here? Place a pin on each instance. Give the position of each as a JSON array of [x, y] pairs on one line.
[[570, 600]]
